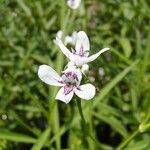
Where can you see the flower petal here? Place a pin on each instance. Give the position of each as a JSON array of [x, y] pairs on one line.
[[85, 69], [68, 40], [62, 47], [71, 39], [64, 97], [86, 91], [93, 57], [59, 34], [49, 75], [82, 44], [78, 60], [74, 4], [79, 76], [74, 36]]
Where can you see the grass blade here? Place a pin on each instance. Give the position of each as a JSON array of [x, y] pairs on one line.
[[41, 140], [110, 85], [17, 137]]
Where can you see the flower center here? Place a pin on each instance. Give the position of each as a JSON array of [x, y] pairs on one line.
[[70, 78]]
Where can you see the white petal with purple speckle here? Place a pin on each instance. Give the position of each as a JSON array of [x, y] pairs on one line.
[[74, 4]]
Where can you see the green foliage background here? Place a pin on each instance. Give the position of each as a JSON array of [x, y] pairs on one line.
[[118, 117]]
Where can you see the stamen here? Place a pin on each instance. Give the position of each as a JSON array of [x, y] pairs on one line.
[[71, 75], [70, 78]]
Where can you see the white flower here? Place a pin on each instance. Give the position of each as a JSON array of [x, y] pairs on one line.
[[79, 56], [85, 69], [71, 39], [59, 34], [74, 4], [69, 82], [68, 39]]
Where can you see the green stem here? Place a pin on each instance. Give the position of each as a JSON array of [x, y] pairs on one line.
[[85, 130], [147, 126], [80, 111], [101, 146], [144, 127], [120, 147], [147, 117]]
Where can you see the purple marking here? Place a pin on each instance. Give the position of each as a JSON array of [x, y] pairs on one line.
[[61, 82], [81, 52], [79, 89], [68, 74], [75, 76], [72, 2], [68, 89], [71, 75]]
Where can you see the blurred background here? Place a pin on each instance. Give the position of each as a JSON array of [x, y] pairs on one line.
[[119, 115]]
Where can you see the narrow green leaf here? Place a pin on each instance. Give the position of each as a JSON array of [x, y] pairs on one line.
[[24, 124], [141, 145], [41, 140], [110, 110], [127, 140], [6, 64], [17, 137], [110, 85], [24, 7], [126, 46], [113, 122], [147, 53], [50, 22], [121, 56]]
